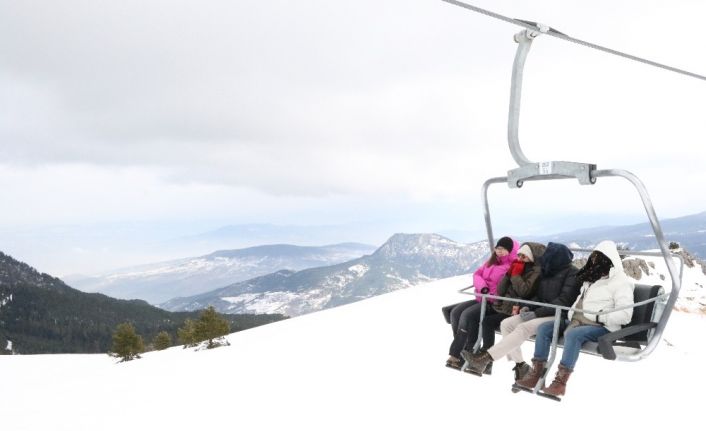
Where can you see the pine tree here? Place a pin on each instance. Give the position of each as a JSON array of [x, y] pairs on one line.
[[127, 344], [162, 341], [211, 326], [187, 333]]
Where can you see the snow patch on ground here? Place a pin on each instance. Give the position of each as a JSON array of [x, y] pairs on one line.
[[240, 299], [359, 269], [6, 300], [271, 302]]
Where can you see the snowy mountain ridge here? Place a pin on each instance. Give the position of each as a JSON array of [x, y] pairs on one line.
[[159, 282], [403, 261], [426, 244]]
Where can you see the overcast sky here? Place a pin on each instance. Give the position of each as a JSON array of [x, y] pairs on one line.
[[335, 112]]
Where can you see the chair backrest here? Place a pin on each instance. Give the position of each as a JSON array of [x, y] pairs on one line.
[[643, 313]]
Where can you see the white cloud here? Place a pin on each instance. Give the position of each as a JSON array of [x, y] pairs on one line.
[[147, 110]]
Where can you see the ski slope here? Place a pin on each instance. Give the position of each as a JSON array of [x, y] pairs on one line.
[[375, 364]]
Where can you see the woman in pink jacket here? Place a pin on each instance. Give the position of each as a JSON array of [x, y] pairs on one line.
[[465, 317]]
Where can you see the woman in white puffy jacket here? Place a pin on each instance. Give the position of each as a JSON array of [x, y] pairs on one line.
[[605, 286]]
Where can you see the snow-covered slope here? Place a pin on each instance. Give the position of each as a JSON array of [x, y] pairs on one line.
[[374, 364]]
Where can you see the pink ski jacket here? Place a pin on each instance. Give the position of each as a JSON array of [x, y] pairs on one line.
[[490, 276]]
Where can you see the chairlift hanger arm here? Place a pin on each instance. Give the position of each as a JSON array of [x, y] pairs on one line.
[[528, 169], [552, 32]]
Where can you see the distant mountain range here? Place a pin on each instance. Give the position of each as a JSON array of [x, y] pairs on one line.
[[254, 234], [41, 314], [158, 282], [404, 260], [688, 231], [178, 283]]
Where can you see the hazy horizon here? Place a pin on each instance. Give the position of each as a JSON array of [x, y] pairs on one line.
[[88, 250]]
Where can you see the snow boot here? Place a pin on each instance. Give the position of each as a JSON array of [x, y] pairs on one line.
[[521, 369], [471, 357], [454, 362], [558, 386], [529, 381], [479, 363]]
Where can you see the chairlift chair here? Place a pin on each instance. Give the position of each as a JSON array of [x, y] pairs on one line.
[[653, 306]]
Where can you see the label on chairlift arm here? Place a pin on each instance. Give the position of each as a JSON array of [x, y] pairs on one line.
[[545, 168]]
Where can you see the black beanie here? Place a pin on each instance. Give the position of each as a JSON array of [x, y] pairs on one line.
[[506, 243]]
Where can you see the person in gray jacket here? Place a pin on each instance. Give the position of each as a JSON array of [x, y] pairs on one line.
[[605, 287], [557, 285]]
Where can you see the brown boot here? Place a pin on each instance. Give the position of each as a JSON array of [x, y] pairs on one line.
[[558, 386], [454, 362], [478, 363], [530, 380]]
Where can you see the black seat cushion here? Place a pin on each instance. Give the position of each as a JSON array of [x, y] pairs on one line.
[[642, 313], [446, 310]]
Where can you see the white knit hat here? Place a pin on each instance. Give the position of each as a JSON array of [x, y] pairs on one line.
[[526, 251]]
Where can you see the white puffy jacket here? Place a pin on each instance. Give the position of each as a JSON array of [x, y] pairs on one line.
[[614, 291]]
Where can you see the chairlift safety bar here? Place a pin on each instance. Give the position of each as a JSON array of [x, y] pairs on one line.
[[562, 307]]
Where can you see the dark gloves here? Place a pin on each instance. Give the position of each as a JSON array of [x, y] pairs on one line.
[[526, 314], [516, 268]]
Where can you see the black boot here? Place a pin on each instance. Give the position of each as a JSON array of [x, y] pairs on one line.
[[521, 369]]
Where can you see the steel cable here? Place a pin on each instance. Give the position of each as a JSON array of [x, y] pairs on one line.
[[551, 32]]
